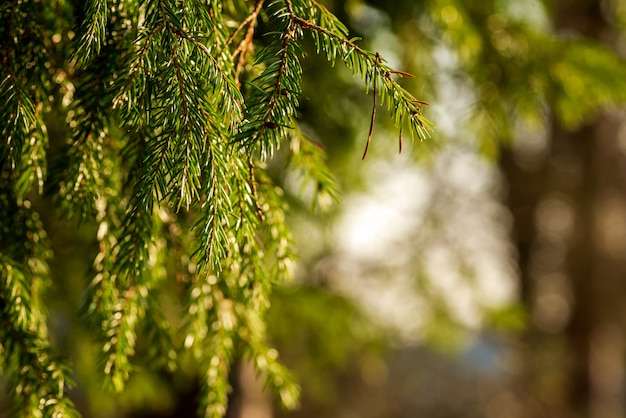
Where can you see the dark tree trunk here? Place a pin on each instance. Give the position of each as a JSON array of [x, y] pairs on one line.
[[569, 214]]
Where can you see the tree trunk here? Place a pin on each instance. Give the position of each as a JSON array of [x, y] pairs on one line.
[[569, 214]]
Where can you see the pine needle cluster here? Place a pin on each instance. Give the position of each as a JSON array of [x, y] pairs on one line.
[[172, 110]]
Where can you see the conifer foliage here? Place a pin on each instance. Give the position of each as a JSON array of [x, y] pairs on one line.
[[172, 109]]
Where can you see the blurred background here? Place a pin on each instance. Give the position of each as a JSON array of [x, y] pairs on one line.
[[488, 263], [481, 273]]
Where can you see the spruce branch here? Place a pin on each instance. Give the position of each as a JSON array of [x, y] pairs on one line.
[[215, 221], [160, 175], [93, 30], [18, 110], [183, 89], [20, 88], [307, 162], [274, 96], [37, 381], [278, 85], [215, 384], [88, 170], [333, 41], [159, 335]]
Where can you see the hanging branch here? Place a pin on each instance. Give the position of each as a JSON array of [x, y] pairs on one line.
[[274, 95], [153, 114], [333, 41]]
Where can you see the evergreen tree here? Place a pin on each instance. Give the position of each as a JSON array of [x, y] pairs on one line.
[[172, 111]]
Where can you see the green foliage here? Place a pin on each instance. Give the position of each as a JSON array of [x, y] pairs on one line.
[[37, 379], [576, 98], [172, 110], [518, 68], [321, 333]]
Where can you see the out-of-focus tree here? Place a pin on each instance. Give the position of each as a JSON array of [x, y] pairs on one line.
[[567, 202]]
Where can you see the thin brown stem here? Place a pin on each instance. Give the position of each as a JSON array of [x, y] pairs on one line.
[[255, 196], [246, 43], [251, 19], [371, 132]]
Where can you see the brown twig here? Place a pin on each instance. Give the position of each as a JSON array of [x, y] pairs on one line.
[[244, 46], [255, 196], [371, 132]]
